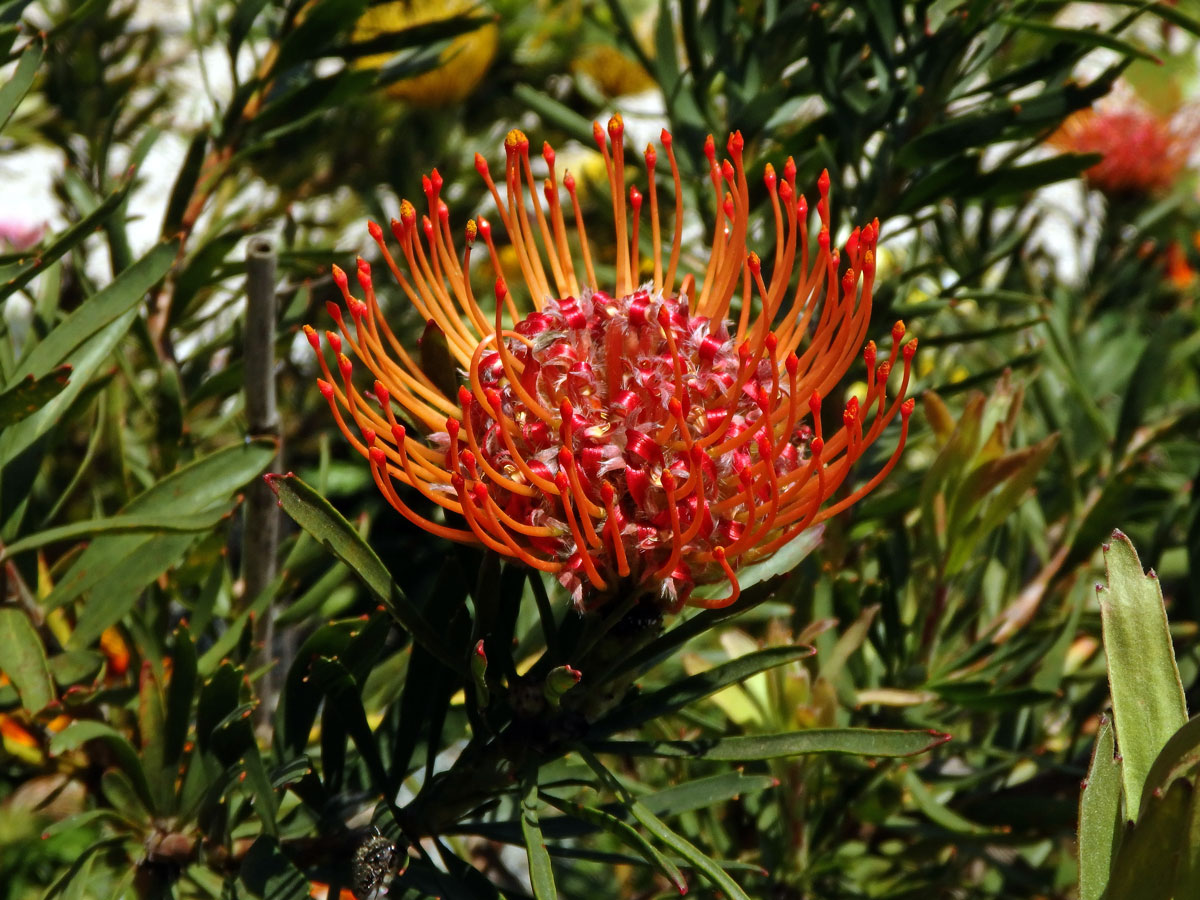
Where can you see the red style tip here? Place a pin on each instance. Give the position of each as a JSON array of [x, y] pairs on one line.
[[369, 436], [907, 406], [436, 178], [408, 213], [792, 364], [345, 365], [548, 153], [501, 289], [569, 183], [313, 338], [335, 311], [665, 138], [710, 149], [339, 276], [823, 183], [850, 414], [727, 171], [382, 394], [481, 165], [378, 457], [515, 141], [616, 128], [471, 231], [910, 350], [598, 136], [607, 494], [334, 341], [376, 231], [769, 177], [399, 434], [789, 169], [325, 388], [898, 331], [735, 144], [814, 403], [635, 198], [816, 447], [485, 228], [754, 263], [651, 156], [465, 399]]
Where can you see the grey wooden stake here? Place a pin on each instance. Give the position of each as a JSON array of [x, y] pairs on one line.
[[260, 541]]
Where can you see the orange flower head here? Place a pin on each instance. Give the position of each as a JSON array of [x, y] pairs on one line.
[[625, 436], [1143, 152]]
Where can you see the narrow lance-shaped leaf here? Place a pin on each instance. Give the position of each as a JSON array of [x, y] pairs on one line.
[[1147, 696], [23, 659], [316, 515], [1145, 865], [858, 741], [1099, 815], [30, 394], [541, 875]]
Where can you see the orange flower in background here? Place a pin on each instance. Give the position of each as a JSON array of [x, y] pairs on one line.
[[623, 436], [1143, 152]]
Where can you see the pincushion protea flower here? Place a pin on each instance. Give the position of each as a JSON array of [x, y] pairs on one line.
[[624, 437], [1143, 153]]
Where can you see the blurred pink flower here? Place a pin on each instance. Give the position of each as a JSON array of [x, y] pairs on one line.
[[17, 235]]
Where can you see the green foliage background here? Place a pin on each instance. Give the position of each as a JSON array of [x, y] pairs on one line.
[[792, 746]]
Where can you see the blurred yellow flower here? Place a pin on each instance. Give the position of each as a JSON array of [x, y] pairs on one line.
[[462, 65]]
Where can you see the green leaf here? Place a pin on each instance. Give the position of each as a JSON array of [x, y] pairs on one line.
[[1179, 758], [858, 741], [84, 340], [938, 812], [707, 866], [342, 697], [436, 360], [316, 515], [23, 659], [1147, 696], [267, 873], [1099, 815], [181, 690], [132, 561], [632, 713], [1146, 382], [1145, 866], [64, 241], [30, 394], [120, 524], [541, 875], [81, 731], [627, 835], [779, 563], [99, 311], [1089, 37], [19, 82], [152, 716]]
